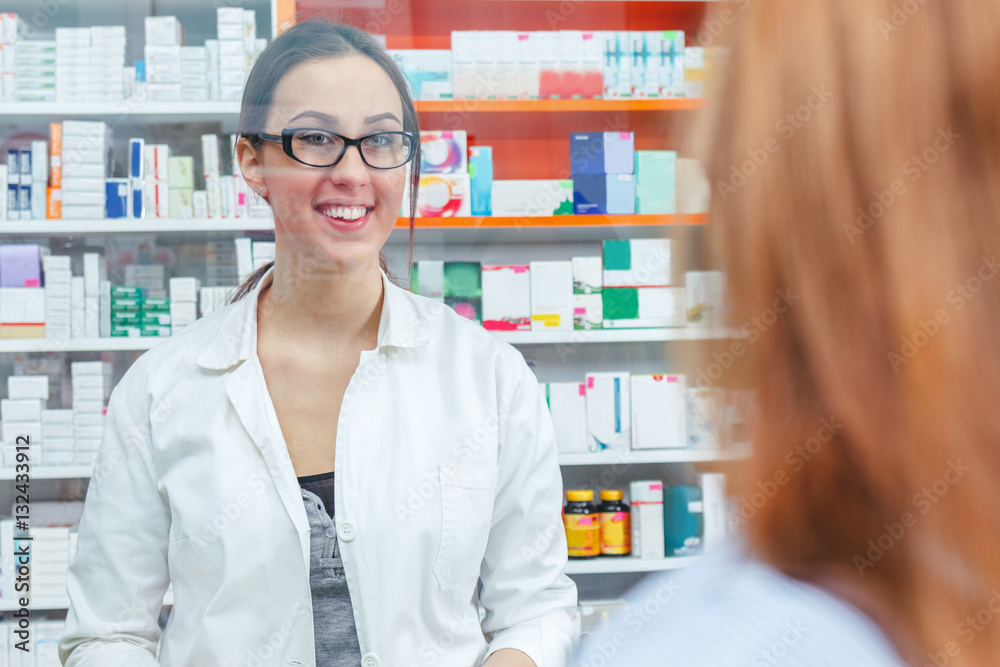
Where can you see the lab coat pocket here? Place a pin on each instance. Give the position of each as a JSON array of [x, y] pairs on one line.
[[467, 495]]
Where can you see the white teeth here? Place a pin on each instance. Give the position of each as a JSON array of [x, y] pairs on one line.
[[346, 212]]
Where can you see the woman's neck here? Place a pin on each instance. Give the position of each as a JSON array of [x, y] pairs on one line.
[[306, 302]]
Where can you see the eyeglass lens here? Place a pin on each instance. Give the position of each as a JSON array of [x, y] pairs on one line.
[[383, 151]]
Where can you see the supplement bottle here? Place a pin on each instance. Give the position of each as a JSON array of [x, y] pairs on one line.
[[582, 522], [616, 525]]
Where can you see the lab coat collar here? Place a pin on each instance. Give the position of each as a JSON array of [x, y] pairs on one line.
[[402, 323]]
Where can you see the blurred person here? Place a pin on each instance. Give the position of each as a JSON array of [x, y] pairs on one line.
[[330, 471], [854, 154]]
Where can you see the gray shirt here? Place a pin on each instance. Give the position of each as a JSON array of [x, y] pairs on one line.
[[336, 635]]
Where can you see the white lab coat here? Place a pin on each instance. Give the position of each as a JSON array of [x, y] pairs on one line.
[[447, 476]]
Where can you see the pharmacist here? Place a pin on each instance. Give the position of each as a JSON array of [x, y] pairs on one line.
[[222, 444]]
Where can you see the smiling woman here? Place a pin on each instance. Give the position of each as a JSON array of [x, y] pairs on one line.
[[308, 412]]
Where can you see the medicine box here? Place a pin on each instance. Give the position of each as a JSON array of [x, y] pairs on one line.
[[693, 188], [531, 198], [551, 296], [463, 291], [20, 265], [703, 298], [506, 298], [602, 153], [567, 403], [713, 494], [28, 386], [443, 152], [655, 182], [429, 279], [646, 497], [588, 312], [481, 179], [637, 263], [643, 307], [442, 196], [20, 410], [608, 411], [683, 512], [659, 419], [705, 416], [620, 194], [13, 430], [590, 194]]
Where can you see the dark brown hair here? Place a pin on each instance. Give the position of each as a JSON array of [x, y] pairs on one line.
[[855, 163], [317, 39]]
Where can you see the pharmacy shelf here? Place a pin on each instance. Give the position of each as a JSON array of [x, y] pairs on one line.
[[122, 112], [11, 346], [52, 472], [609, 457], [631, 564], [494, 106], [79, 344], [53, 604], [530, 224], [575, 337], [127, 225], [186, 112]]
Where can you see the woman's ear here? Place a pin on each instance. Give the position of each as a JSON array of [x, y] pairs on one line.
[[250, 166]]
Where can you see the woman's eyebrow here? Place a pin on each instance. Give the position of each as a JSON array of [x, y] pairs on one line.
[[382, 116], [388, 115]]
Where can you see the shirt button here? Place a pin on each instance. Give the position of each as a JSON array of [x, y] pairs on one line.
[[347, 532], [370, 660], [330, 531]]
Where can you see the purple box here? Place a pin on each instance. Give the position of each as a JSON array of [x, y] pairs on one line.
[[20, 265], [619, 152]]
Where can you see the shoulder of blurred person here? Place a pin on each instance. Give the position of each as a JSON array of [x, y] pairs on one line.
[[731, 610]]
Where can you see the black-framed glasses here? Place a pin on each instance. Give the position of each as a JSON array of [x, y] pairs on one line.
[[316, 147]]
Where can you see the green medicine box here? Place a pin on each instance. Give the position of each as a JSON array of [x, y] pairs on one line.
[[656, 182]]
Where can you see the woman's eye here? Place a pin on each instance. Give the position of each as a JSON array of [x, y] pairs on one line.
[[316, 138]]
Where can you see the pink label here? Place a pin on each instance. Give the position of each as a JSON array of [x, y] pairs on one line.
[[588, 35], [446, 135], [31, 282], [520, 269], [523, 36], [672, 378], [579, 311], [242, 199], [586, 521], [655, 487], [590, 383], [583, 390], [625, 135]]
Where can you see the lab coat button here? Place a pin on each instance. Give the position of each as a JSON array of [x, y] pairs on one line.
[[370, 660], [330, 531], [347, 532]]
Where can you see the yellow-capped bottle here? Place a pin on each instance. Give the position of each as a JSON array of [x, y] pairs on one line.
[[616, 525], [583, 525]]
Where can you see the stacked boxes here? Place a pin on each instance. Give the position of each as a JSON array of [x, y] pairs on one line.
[[183, 302], [163, 59], [73, 54], [107, 60], [35, 71], [194, 74], [531, 198], [57, 438], [18, 184], [58, 274], [21, 415], [212, 174], [180, 181], [53, 194], [9, 24], [237, 47], [588, 282], [444, 175], [137, 178], [77, 307], [50, 548], [22, 299], [637, 290], [88, 380], [39, 178], [132, 314], [602, 164], [85, 147]]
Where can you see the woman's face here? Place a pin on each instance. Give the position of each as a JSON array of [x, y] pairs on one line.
[[340, 215]]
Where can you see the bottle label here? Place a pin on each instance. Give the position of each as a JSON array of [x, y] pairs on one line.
[[583, 534], [616, 533]]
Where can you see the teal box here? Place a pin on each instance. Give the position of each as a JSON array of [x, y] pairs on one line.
[[481, 178], [620, 194], [656, 182], [683, 522]]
